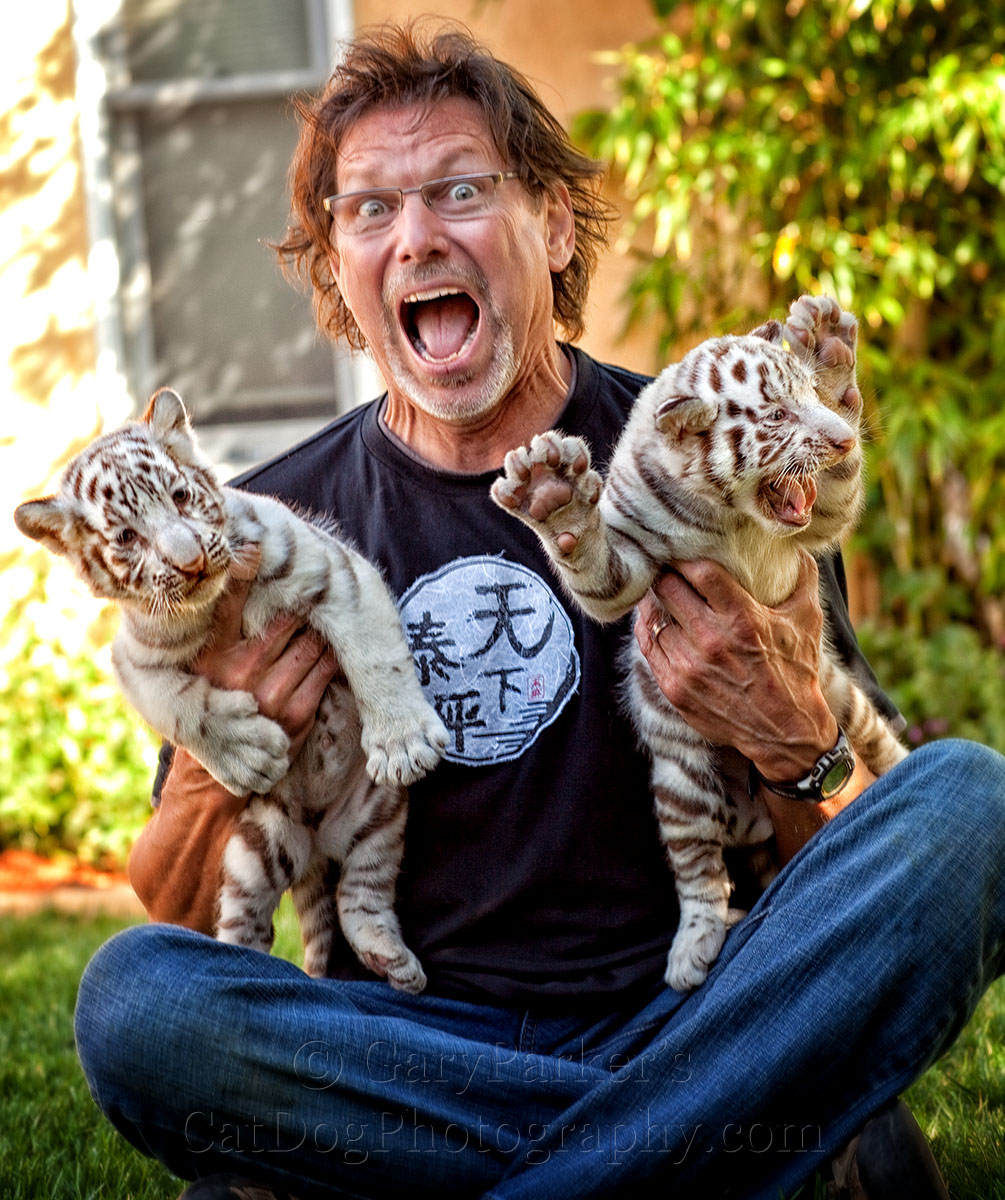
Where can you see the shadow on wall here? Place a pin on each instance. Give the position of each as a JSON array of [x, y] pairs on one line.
[[43, 282]]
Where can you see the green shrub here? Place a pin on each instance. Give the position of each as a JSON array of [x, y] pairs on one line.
[[75, 763], [856, 148], [947, 684]]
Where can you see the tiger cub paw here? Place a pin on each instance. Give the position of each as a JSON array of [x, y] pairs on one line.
[[244, 751], [823, 335], [694, 950], [827, 336], [404, 754], [551, 487], [380, 948]]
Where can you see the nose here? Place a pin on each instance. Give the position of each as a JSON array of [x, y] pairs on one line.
[[419, 233], [837, 434], [182, 550]]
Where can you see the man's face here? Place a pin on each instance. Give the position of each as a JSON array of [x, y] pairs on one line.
[[454, 311]]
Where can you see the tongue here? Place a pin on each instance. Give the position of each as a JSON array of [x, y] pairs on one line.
[[796, 499], [443, 325]]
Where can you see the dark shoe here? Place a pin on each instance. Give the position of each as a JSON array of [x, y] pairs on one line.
[[231, 1187], [888, 1160]]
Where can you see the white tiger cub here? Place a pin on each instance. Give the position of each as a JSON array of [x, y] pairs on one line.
[[745, 454], [141, 517]]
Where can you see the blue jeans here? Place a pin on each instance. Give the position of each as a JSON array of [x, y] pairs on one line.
[[854, 971]]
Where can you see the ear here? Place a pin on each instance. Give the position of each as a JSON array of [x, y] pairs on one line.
[[770, 331], [166, 413], [678, 415], [169, 424], [47, 521], [561, 240]]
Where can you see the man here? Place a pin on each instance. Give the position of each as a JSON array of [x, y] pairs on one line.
[[446, 223]]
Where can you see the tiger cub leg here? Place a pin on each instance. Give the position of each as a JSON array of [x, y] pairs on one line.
[[703, 890], [314, 900], [692, 827], [366, 891], [266, 852], [867, 730], [695, 829], [696, 821]]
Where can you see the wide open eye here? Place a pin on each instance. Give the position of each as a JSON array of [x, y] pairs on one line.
[[181, 495], [464, 196], [371, 208], [465, 191]]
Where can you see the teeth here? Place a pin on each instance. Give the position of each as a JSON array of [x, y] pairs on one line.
[[433, 294]]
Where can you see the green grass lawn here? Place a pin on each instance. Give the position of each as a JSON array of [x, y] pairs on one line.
[[55, 1146]]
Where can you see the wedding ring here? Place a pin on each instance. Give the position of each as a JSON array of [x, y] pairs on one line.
[[657, 627]]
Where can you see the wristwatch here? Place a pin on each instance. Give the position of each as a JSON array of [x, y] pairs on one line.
[[829, 774]]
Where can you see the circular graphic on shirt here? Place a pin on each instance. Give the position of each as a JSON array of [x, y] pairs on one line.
[[494, 652]]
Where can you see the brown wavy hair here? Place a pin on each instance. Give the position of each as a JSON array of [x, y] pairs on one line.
[[394, 65]]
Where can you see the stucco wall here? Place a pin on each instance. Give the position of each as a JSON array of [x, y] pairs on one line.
[[47, 352]]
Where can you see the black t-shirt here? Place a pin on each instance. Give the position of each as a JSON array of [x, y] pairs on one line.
[[533, 867]]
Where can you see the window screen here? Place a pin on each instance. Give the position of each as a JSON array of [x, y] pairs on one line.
[[203, 130]]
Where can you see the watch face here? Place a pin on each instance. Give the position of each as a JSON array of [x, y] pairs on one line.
[[835, 778], [828, 777]]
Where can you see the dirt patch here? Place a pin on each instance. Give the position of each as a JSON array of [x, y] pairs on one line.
[[29, 883]]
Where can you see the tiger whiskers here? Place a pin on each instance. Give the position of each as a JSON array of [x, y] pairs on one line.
[[793, 475]]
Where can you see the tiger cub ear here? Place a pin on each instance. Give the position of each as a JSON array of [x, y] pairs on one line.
[[168, 421], [166, 413], [677, 415], [47, 521], [770, 331]]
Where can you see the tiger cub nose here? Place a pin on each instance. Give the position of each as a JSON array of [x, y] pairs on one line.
[[192, 566], [182, 550]]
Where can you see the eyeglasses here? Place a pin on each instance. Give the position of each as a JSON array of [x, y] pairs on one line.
[[454, 199]]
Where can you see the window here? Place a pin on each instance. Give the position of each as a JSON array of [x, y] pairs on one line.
[[188, 183]]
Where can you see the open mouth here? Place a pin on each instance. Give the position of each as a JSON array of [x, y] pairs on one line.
[[440, 323], [789, 499]]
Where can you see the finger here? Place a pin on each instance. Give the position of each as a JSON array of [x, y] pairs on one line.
[[246, 562], [285, 632], [303, 704], [226, 628], [648, 612], [651, 618], [807, 583], [698, 584], [283, 678], [678, 599]]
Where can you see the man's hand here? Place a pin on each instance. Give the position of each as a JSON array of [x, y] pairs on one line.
[[740, 673], [287, 669], [747, 676]]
